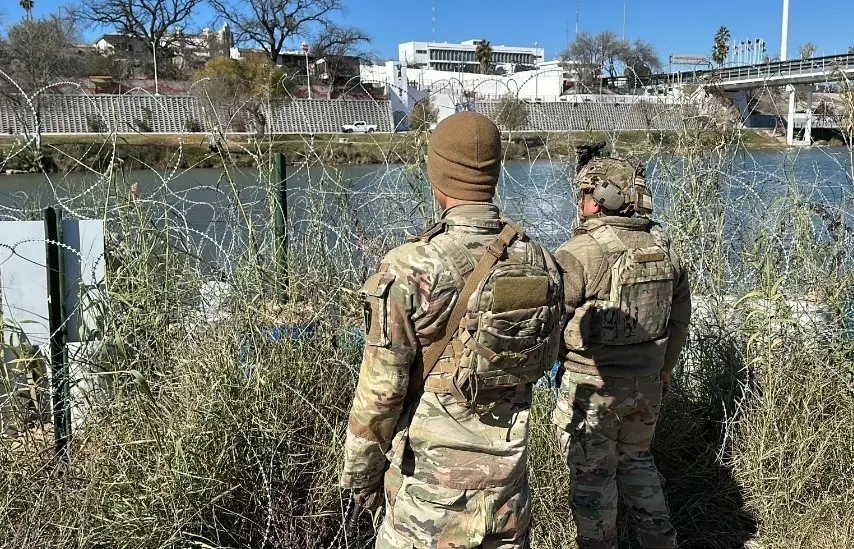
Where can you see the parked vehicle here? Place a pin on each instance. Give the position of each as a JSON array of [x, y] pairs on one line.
[[359, 126]]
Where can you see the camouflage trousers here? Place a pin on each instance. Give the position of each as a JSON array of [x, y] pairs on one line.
[[420, 515], [605, 427]]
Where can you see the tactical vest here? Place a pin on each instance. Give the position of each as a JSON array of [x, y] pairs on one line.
[[637, 308], [503, 338]]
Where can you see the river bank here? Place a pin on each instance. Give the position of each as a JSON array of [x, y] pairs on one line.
[[164, 151]]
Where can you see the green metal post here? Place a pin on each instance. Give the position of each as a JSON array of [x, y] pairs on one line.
[[281, 237], [57, 327]]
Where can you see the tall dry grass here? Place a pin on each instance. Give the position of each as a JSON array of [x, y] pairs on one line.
[[209, 432]]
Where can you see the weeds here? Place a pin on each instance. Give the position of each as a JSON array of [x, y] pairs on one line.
[[225, 410]]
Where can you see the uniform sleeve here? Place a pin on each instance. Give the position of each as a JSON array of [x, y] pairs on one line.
[[680, 316], [556, 336], [390, 349], [573, 280]]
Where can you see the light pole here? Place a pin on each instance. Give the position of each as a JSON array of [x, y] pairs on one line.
[[784, 46], [624, 19], [784, 42], [154, 52], [304, 49]]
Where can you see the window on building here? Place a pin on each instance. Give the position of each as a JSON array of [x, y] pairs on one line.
[[420, 51]]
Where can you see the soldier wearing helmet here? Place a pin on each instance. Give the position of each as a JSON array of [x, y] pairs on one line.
[[628, 302]]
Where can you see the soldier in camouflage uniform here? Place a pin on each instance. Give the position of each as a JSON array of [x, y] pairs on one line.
[[628, 306], [453, 470]]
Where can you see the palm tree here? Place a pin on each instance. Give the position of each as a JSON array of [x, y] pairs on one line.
[[28, 7], [721, 49], [483, 54]]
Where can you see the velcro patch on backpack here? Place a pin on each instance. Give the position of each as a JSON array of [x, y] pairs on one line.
[[514, 293], [649, 257]]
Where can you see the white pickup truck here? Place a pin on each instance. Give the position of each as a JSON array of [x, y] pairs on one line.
[[359, 126]]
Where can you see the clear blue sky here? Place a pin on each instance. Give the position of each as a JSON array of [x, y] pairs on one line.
[[673, 26]]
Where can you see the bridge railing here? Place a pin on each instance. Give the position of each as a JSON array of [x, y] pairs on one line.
[[761, 71], [798, 66]]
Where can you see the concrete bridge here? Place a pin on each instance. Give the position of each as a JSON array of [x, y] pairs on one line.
[[800, 75], [780, 73]]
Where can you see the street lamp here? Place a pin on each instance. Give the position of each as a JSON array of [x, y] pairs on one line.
[[304, 49], [784, 45], [154, 52]]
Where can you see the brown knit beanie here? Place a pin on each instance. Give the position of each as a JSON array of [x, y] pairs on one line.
[[464, 157]]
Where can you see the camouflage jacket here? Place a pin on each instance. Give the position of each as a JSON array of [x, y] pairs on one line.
[[431, 437], [587, 276]]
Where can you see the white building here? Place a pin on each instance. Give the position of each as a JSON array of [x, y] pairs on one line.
[[444, 56], [450, 91], [545, 83], [205, 45]]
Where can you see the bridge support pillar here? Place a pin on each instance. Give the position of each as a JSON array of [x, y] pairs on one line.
[[808, 122], [790, 121]]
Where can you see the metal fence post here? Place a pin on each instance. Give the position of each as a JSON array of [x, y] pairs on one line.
[[281, 226], [57, 327]]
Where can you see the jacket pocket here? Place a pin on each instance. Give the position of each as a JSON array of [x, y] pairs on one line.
[[375, 294]]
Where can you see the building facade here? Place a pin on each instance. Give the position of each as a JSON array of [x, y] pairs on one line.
[[444, 56]]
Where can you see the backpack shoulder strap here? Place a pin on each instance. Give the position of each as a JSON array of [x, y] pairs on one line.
[[494, 252], [460, 260]]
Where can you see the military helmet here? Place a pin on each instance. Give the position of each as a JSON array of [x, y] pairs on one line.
[[618, 185]]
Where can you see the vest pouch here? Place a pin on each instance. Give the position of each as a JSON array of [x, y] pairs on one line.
[[577, 335], [375, 294], [512, 330], [641, 296]]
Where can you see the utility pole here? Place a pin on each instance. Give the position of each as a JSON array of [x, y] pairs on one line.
[[434, 20], [577, 12]]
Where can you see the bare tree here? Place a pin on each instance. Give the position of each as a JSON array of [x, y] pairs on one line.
[[271, 23], [337, 47], [37, 53], [593, 54], [640, 61], [584, 56], [612, 51], [147, 20], [807, 50]]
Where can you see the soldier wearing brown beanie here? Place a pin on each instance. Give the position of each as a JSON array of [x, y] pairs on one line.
[[459, 325]]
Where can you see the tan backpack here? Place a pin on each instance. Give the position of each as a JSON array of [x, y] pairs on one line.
[[502, 332]]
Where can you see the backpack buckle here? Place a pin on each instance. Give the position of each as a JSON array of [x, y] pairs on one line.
[[496, 251], [521, 357]]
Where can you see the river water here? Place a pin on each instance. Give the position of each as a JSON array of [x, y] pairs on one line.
[[214, 212]]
